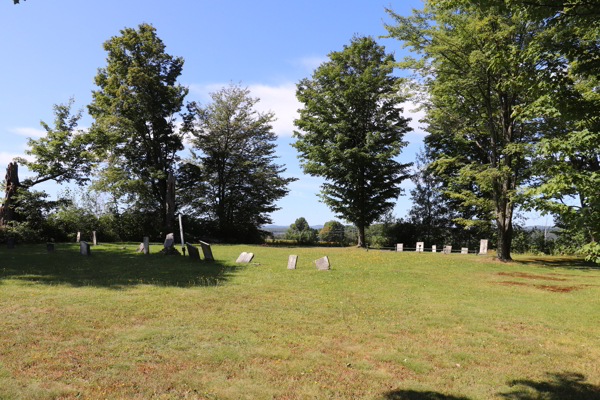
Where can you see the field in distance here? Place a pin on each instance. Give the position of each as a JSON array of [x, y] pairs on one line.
[[378, 325]]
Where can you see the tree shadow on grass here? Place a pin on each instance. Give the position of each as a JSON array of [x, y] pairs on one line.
[[565, 263], [110, 266], [418, 395], [559, 386]]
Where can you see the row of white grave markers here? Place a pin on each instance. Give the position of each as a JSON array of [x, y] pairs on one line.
[[447, 249], [322, 263]]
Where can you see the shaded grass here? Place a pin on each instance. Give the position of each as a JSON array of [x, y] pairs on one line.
[[378, 325]]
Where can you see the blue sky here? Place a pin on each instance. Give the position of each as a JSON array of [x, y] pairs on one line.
[[51, 50]]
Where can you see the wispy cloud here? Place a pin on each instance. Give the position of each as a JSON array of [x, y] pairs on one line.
[[30, 132], [309, 63], [6, 158], [409, 111]]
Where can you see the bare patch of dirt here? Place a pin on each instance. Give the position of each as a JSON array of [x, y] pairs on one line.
[[530, 276], [550, 288], [578, 276], [514, 283]]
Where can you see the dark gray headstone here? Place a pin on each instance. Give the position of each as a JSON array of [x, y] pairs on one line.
[[464, 250], [400, 247], [84, 248], [146, 245], [169, 240], [10, 243], [192, 251], [420, 246], [447, 249], [483, 246], [207, 251], [140, 248], [50, 246], [292, 262], [322, 263], [94, 238]]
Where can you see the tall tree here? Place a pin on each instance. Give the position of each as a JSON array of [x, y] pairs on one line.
[[231, 179], [350, 131], [135, 111], [485, 89]]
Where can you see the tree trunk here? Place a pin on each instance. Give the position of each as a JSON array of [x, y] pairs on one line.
[[361, 235], [7, 213], [170, 202], [504, 211]]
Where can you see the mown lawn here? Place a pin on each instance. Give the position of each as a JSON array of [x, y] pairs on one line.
[[379, 325]]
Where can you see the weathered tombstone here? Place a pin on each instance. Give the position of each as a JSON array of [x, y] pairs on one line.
[[94, 238], [49, 246], [292, 262], [400, 247], [483, 246], [245, 257], [434, 248], [146, 245], [10, 243], [207, 251], [241, 257], [322, 263], [140, 248], [464, 250], [78, 237], [420, 246], [192, 251], [84, 248], [447, 249], [169, 240]]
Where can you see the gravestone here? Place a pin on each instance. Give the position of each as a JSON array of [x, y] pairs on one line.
[[292, 262], [78, 237], [140, 248], [207, 251], [49, 246], [447, 249], [400, 247], [464, 250], [169, 240], [10, 243], [146, 244], [483, 246], [434, 249], [94, 238], [192, 251], [420, 246], [322, 263], [245, 257], [84, 248]]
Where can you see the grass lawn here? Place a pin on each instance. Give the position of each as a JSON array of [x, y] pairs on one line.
[[379, 325]]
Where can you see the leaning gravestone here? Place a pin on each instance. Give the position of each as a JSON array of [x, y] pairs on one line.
[[434, 248], [483, 246], [322, 263], [292, 262], [94, 238], [207, 251], [464, 250], [169, 240], [78, 237], [420, 246], [192, 251], [84, 248], [400, 247], [447, 249], [49, 246], [140, 248], [146, 244], [10, 243], [245, 257]]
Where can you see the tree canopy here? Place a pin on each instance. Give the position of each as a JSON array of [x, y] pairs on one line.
[[351, 129]]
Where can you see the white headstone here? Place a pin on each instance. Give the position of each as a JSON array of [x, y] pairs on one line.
[[146, 245], [94, 238], [483, 246], [434, 248], [292, 262], [447, 249], [78, 237], [464, 250], [169, 240], [245, 257], [420, 246], [400, 247], [322, 263]]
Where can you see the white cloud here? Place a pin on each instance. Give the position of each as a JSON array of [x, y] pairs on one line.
[[310, 63], [30, 132], [6, 158], [409, 112]]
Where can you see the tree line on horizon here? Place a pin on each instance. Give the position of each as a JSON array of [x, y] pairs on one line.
[[510, 94]]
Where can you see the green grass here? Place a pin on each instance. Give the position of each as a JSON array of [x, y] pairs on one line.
[[379, 325]]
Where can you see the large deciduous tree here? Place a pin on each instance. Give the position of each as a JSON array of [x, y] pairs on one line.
[[487, 103], [231, 181], [135, 112], [350, 131]]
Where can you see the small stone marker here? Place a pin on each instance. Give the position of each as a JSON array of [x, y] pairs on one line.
[[78, 237], [207, 251], [146, 245], [84, 248], [49, 246], [400, 247], [420, 246], [192, 251], [169, 240], [447, 249], [140, 248], [322, 263], [434, 248], [483, 246], [464, 250], [292, 262], [10, 243], [94, 238], [245, 257]]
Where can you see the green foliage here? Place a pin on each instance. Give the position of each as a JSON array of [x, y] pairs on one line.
[[332, 231], [135, 113], [231, 182], [351, 130], [301, 232]]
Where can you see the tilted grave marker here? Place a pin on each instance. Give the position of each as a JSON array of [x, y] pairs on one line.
[[322, 263], [292, 262], [483, 246], [420, 246], [245, 257], [169, 240], [400, 247], [140, 248], [84, 248], [464, 250], [192, 251], [207, 251]]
